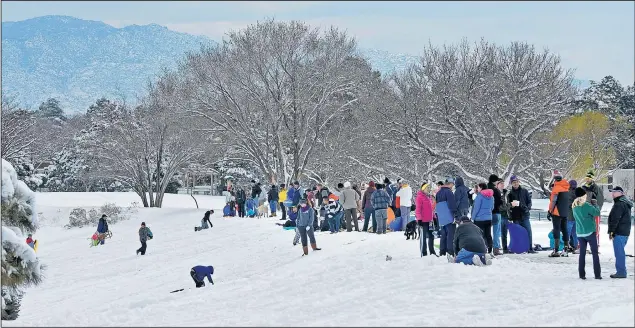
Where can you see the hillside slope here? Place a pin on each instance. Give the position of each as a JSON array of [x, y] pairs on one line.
[[261, 279]]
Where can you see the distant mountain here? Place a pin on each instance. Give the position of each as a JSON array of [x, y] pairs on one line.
[[78, 61]]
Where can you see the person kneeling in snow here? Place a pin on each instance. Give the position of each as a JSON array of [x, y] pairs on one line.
[[469, 245], [205, 222], [199, 272]]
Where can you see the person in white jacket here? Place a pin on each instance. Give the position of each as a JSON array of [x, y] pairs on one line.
[[405, 202]]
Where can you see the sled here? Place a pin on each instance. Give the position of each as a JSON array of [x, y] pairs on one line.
[[178, 290], [35, 243], [390, 216]]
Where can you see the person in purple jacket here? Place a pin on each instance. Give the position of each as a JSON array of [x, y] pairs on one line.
[[198, 274], [446, 211]]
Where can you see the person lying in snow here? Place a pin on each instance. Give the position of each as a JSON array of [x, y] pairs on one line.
[[198, 274], [30, 241], [469, 245]]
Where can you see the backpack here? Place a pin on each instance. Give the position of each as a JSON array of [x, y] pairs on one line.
[[150, 236]]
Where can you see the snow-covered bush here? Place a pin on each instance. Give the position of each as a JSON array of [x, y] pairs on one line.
[[80, 218], [20, 265]]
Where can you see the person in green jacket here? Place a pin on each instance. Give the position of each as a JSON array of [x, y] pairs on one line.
[[584, 212]]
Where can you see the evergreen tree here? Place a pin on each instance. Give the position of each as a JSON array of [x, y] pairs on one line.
[[50, 109]]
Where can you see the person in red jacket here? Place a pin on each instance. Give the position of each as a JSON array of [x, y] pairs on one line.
[[30, 241], [424, 215]]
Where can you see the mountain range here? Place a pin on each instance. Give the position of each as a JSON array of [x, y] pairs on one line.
[[78, 61]]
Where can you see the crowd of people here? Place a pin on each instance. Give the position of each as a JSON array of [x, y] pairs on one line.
[[454, 213]]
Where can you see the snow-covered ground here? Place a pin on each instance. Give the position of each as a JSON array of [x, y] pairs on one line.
[[261, 279]]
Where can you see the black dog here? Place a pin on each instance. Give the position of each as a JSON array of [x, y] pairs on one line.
[[411, 230]]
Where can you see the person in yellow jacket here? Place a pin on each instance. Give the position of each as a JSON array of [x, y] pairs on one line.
[[282, 196]]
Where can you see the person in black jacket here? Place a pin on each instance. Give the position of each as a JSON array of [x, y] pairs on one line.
[[272, 198], [573, 237], [620, 229], [469, 245], [496, 216], [256, 190], [520, 203], [241, 199], [504, 212]]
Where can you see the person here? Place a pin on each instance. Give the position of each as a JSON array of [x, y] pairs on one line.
[[520, 202], [367, 207], [405, 202], [496, 214], [392, 189], [504, 212], [558, 212], [619, 228], [241, 199], [594, 192], [482, 212], [144, 235], [102, 228], [273, 198], [306, 217], [282, 197], [338, 191], [584, 214], [380, 200], [198, 274], [468, 244], [256, 190], [446, 213], [30, 241], [205, 222], [571, 231], [333, 213], [423, 213], [462, 197], [293, 199], [349, 199]]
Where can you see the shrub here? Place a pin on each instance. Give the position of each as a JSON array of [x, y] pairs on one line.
[[79, 218]]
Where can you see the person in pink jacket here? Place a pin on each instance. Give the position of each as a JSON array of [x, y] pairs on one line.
[[423, 213]]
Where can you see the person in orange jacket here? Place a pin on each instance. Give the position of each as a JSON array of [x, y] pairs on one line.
[[559, 210]]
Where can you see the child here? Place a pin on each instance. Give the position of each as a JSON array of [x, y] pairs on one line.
[[552, 243], [198, 274], [30, 241], [334, 212]]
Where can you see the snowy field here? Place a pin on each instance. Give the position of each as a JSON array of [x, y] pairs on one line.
[[261, 279]]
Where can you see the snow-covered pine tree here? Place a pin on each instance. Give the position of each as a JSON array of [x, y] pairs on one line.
[[20, 266]]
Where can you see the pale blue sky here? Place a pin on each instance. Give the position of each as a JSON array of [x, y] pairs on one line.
[[595, 38]]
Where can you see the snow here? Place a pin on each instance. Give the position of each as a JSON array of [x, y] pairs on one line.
[[12, 187], [260, 279], [21, 249]]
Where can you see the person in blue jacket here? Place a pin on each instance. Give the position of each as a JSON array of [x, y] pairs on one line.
[[102, 228], [446, 213], [462, 197], [482, 212], [198, 274]]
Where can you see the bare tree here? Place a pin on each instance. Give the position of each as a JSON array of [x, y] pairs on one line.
[[479, 109], [17, 130], [275, 87]]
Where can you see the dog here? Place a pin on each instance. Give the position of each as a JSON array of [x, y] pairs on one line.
[[411, 230], [263, 211]]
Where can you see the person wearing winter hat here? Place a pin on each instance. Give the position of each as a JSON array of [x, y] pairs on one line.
[[559, 211], [520, 202], [619, 228], [584, 214], [573, 237], [367, 207], [468, 244], [349, 200], [594, 193], [102, 228], [405, 202]]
